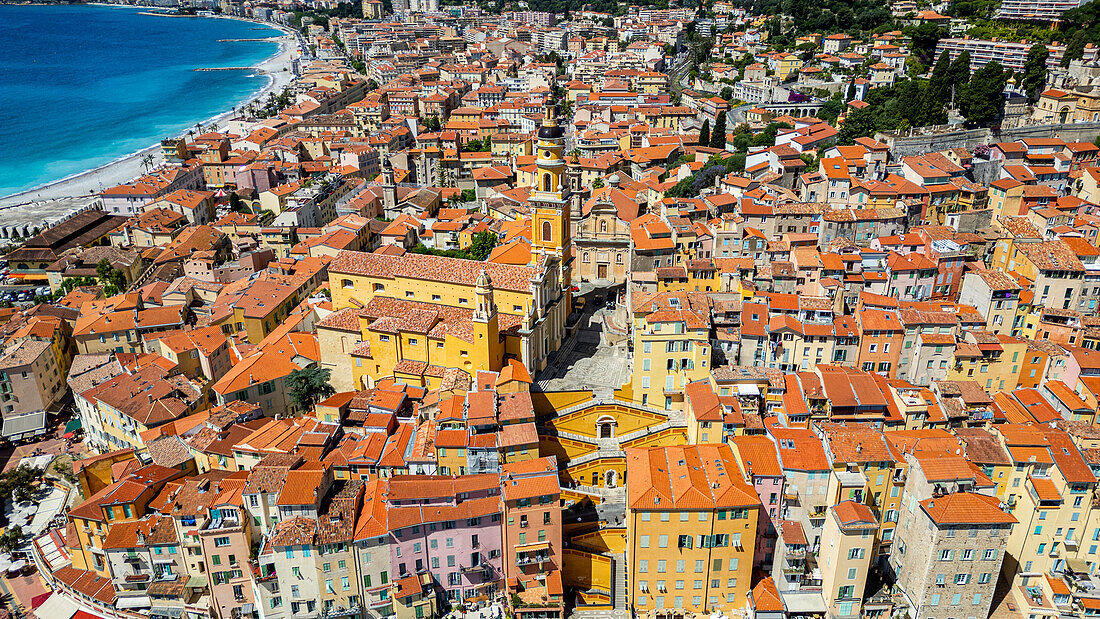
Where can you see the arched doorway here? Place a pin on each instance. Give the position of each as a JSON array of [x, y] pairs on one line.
[[611, 478], [605, 427]]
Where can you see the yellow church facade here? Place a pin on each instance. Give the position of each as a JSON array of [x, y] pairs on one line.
[[418, 318]]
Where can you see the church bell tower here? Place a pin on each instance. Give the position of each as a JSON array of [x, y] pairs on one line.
[[551, 232]]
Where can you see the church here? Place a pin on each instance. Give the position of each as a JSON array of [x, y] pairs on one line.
[[420, 319]]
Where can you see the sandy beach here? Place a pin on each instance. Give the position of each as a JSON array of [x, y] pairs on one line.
[[52, 201]]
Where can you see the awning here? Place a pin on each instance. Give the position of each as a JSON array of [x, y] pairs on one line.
[[17, 565], [172, 612], [25, 425], [137, 601], [74, 425], [196, 582], [1078, 566], [247, 609], [57, 607], [532, 546], [748, 389]]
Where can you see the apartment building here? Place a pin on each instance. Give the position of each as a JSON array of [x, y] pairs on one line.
[[691, 524], [672, 343], [949, 553], [844, 558]]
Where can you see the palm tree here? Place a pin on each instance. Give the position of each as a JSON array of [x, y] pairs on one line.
[[147, 161]]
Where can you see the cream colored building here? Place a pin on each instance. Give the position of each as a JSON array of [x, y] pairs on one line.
[[847, 543]]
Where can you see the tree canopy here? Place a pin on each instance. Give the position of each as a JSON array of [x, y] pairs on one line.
[[309, 386], [1034, 74]]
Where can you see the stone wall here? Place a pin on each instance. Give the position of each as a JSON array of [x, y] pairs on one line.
[[918, 141]]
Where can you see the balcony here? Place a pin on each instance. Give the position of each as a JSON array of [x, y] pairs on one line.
[[795, 554], [216, 524], [797, 570], [523, 559]]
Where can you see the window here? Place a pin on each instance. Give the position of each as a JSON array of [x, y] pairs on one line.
[[547, 229], [962, 579], [220, 542], [852, 573], [989, 554]]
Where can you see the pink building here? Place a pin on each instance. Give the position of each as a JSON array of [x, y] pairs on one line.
[[449, 525]]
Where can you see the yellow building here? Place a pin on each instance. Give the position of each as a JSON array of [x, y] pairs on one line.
[[417, 317], [786, 65], [123, 501], [844, 558], [1050, 494], [671, 347], [865, 470], [691, 525], [991, 360]]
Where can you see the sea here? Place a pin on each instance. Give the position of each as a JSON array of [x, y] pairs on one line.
[[85, 85]]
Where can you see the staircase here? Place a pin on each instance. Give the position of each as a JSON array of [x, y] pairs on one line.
[[618, 597]]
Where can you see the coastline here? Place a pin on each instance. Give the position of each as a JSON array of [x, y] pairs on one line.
[[82, 187]]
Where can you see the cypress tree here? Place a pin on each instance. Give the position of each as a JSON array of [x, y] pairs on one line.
[[704, 133], [718, 136]]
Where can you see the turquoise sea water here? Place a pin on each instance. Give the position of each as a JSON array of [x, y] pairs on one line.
[[84, 85]]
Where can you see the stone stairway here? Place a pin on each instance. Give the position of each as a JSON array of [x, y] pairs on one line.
[[618, 583]]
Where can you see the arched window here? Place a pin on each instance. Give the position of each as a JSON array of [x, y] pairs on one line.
[[546, 182], [547, 232], [618, 258], [585, 258], [603, 225], [379, 288]]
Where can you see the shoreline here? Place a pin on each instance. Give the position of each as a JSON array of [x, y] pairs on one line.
[[87, 184]]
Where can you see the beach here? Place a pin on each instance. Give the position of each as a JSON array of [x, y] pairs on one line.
[[52, 201]]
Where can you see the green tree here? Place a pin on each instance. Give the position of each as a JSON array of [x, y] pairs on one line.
[[958, 74], [12, 539], [1034, 74], [937, 94], [726, 93], [718, 136], [737, 162], [857, 124], [482, 245], [830, 110], [21, 482], [923, 41], [598, 184], [103, 269], [980, 103], [704, 132], [309, 386], [742, 142]]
